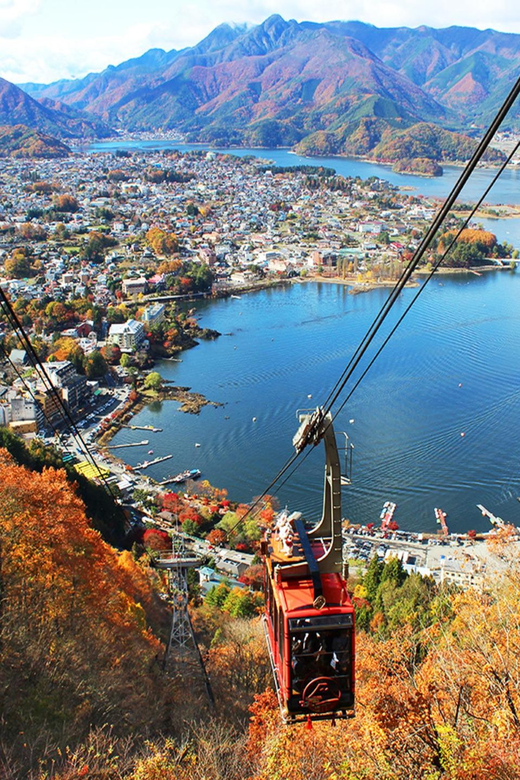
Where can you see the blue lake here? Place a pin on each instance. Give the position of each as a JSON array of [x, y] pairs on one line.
[[452, 368]]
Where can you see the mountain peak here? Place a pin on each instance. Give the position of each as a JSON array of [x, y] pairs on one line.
[[220, 37]]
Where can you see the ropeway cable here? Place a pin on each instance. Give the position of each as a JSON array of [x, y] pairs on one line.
[[66, 415], [425, 242], [429, 276], [405, 276]]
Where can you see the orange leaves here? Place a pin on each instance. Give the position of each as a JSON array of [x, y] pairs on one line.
[[71, 605], [162, 243], [216, 537], [481, 238]]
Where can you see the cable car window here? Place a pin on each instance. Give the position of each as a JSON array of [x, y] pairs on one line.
[[324, 653], [320, 622]]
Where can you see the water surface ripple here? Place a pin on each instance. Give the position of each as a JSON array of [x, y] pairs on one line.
[[452, 368]]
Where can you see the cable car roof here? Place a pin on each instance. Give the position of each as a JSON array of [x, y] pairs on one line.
[[297, 595]]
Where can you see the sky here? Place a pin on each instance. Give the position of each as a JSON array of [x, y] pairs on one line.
[[46, 40]]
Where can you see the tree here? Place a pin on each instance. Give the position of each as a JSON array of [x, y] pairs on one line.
[[95, 365], [32, 232], [68, 349], [94, 248], [161, 242], [117, 175], [217, 595], [76, 615], [216, 537], [155, 539], [190, 527], [153, 381], [66, 203], [242, 603], [18, 266], [112, 353], [372, 578]]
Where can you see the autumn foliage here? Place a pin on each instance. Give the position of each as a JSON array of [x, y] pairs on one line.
[[75, 620], [437, 669]]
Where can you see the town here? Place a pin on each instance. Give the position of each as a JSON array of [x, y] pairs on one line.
[[101, 253], [97, 251]]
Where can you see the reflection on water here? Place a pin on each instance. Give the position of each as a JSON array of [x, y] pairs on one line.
[[452, 368]]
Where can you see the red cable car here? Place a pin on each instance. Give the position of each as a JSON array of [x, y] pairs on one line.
[[309, 618]]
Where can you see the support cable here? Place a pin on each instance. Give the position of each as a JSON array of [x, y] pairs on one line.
[[423, 246], [430, 275], [404, 278], [37, 363]]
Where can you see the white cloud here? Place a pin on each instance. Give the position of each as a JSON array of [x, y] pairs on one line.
[[13, 13], [93, 35]]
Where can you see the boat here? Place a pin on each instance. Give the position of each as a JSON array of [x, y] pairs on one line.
[[387, 515], [440, 517], [187, 474]]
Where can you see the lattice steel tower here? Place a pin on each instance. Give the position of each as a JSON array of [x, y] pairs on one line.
[[177, 565]]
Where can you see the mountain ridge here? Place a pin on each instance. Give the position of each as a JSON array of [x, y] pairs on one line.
[[19, 108], [278, 82]]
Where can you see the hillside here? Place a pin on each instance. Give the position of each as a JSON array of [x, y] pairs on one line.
[[83, 695], [419, 148], [78, 622], [22, 141], [280, 81], [18, 108]]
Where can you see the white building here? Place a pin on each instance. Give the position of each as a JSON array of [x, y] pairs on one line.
[[154, 314], [134, 287], [128, 335]]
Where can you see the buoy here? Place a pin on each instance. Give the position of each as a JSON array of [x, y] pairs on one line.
[[254, 419], [309, 395], [462, 434], [150, 452], [351, 421], [460, 384], [197, 444]]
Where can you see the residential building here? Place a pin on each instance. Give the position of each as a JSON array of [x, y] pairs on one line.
[[128, 335], [154, 314], [134, 287]]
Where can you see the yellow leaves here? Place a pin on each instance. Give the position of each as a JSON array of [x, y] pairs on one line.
[[449, 747], [162, 242], [138, 614], [360, 592]]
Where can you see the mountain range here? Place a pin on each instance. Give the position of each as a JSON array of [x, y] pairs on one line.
[[48, 116], [284, 82]]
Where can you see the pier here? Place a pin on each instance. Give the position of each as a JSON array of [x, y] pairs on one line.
[[147, 463], [167, 481], [493, 519], [142, 428], [142, 443], [387, 515], [440, 518]]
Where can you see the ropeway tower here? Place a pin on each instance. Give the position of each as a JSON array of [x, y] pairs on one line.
[[182, 643]]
